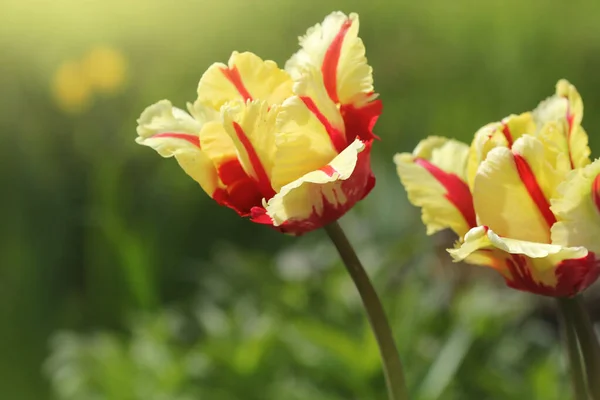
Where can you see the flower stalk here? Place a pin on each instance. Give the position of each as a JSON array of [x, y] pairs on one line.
[[578, 380], [392, 365], [588, 341]]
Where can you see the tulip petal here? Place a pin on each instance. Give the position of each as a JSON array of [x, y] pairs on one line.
[[243, 191], [304, 141], [246, 77], [312, 93], [497, 134], [512, 188], [577, 208], [320, 196], [174, 133], [566, 107], [545, 269], [434, 178], [360, 121], [335, 49], [251, 126], [552, 137]]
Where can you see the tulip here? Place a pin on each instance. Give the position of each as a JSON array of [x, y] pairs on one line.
[[289, 148], [577, 210], [496, 195], [524, 200]]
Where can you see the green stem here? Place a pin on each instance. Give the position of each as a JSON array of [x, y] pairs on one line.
[[392, 367], [588, 341], [570, 338]]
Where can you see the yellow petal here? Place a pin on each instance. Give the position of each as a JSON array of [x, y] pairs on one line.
[[434, 178], [334, 48], [566, 101], [496, 134], [552, 137], [311, 91], [216, 143], [303, 138], [545, 269], [577, 208], [566, 108], [246, 77], [242, 191], [251, 126], [202, 112], [214, 139], [578, 147], [319, 194], [512, 189], [174, 133]]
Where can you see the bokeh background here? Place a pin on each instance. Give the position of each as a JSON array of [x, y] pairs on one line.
[[120, 279]]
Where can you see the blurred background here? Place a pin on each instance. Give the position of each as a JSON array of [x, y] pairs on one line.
[[120, 279]]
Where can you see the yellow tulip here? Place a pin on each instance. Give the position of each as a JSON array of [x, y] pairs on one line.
[[497, 195], [288, 147]]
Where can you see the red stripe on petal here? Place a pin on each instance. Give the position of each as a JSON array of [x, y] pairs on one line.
[[570, 118], [457, 190], [577, 274], [520, 275], [533, 188], [338, 138], [359, 122], [572, 276], [231, 171], [241, 191], [596, 192], [507, 134], [331, 59], [260, 216], [263, 181], [193, 139], [233, 75], [328, 169]]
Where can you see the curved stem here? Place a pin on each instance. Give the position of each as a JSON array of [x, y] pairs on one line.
[[588, 341], [575, 368], [392, 366]]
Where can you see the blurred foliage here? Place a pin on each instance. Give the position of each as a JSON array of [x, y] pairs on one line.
[[248, 333], [160, 294]]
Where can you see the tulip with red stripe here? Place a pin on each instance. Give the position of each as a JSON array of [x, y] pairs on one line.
[[289, 148], [556, 121], [497, 195]]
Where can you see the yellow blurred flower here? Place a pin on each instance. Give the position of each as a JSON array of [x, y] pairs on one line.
[[71, 87], [102, 70], [106, 69]]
